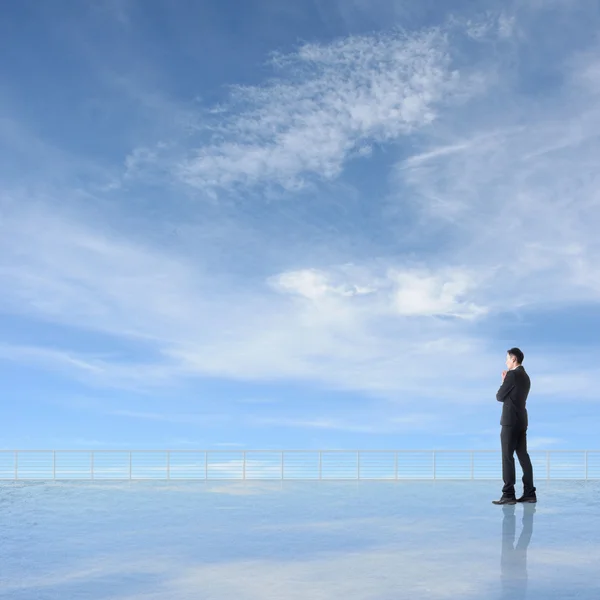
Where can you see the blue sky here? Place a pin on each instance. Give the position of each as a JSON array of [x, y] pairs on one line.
[[297, 224]]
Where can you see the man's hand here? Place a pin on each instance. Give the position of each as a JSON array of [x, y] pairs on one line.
[[504, 374]]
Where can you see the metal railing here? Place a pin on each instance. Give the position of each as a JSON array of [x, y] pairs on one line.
[[23, 465]]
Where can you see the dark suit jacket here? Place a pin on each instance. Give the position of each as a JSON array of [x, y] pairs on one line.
[[513, 393]]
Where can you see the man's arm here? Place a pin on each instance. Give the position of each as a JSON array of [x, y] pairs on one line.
[[507, 385]]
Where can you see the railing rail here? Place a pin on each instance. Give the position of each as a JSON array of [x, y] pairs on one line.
[[286, 464]]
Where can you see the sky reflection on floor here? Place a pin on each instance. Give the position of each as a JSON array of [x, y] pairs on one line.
[[297, 540]]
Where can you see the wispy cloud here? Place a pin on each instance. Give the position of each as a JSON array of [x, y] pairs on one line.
[[331, 102], [171, 417], [373, 423], [394, 331], [99, 281], [523, 198]]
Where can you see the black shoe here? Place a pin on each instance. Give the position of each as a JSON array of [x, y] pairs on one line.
[[505, 500], [527, 499]]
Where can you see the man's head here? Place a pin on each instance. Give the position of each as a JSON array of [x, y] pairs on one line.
[[514, 358]]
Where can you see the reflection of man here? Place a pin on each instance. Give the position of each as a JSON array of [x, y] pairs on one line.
[[513, 394], [513, 560]]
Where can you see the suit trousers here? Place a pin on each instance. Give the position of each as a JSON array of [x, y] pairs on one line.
[[514, 439]]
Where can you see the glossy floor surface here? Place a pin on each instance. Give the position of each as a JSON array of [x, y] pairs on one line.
[[297, 540]]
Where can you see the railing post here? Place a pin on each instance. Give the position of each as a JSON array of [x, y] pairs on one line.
[[16, 465], [130, 461], [320, 464], [92, 465], [168, 464], [434, 464], [396, 465], [54, 465]]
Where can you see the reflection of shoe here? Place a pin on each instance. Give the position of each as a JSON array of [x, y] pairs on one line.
[[527, 498], [505, 500]]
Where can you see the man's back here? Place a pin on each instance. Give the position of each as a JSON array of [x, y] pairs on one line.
[[513, 394]]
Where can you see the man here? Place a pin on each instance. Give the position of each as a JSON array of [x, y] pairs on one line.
[[513, 437]]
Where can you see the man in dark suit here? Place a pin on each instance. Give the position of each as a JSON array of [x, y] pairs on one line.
[[513, 437]]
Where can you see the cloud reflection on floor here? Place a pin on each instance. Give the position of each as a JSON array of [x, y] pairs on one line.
[[297, 540]]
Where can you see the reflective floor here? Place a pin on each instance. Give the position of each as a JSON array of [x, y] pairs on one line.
[[297, 540]]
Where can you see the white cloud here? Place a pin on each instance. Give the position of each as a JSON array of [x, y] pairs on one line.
[[329, 104], [520, 204], [580, 384], [92, 368], [170, 417], [47, 356], [314, 324], [506, 25], [315, 284], [492, 25], [406, 292], [319, 423], [426, 294], [371, 422], [85, 274]]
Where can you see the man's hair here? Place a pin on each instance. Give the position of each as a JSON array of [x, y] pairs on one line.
[[517, 354]]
